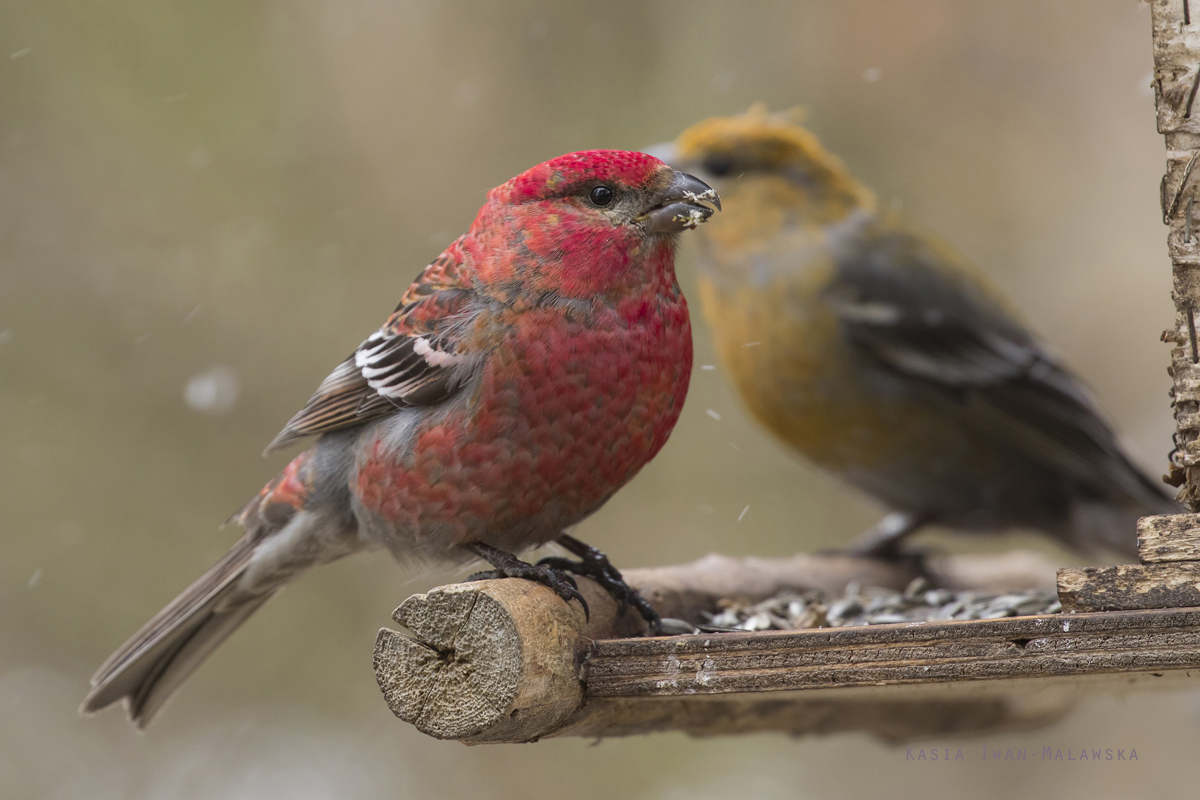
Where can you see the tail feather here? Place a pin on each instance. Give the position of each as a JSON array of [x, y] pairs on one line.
[[170, 673], [155, 661]]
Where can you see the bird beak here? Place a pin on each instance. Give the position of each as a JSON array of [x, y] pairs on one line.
[[680, 206]]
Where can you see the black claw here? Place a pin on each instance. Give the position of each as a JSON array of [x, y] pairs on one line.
[[595, 565], [587, 612], [485, 575], [509, 566]]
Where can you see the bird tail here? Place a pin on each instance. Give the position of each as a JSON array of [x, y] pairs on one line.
[[149, 667]]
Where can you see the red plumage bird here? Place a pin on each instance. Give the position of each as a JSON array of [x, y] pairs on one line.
[[528, 373]]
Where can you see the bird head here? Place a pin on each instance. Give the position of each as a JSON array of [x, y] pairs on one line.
[[771, 171], [591, 221]]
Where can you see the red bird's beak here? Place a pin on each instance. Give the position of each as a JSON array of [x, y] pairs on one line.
[[680, 206]]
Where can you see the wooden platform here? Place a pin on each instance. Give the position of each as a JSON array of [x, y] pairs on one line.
[[508, 661]]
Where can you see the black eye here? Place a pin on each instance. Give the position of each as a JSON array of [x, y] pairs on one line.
[[601, 195], [718, 166]]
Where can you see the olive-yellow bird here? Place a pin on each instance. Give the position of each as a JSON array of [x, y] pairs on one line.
[[881, 354]]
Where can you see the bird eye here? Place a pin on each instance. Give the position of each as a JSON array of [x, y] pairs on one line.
[[601, 195], [718, 166]]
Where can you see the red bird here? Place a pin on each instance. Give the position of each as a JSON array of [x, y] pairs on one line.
[[528, 373]]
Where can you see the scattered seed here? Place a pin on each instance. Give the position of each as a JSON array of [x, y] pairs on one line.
[[873, 605]]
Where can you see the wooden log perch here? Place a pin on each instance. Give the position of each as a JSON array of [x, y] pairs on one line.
[[493, 660], [508, 661]]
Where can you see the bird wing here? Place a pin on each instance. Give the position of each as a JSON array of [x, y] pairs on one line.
[[913, 309], [418, 357]]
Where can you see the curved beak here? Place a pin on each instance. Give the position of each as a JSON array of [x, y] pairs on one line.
[[680, 205]]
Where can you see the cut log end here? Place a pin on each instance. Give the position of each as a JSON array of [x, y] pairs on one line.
[[491, 661]]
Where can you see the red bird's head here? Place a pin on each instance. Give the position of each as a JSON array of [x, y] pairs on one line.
[[589, 223]]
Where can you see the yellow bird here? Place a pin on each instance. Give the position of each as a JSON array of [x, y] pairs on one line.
[[881, 354]]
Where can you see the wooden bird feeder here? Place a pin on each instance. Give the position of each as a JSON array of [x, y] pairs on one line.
[[508, 661]]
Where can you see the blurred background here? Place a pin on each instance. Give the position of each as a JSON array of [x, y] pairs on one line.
[[205, 206]]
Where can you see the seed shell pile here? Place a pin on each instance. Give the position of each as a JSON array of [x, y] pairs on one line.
[[870, 605]]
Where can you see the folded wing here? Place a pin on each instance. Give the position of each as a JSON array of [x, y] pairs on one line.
[[418, 358], [903, 309]]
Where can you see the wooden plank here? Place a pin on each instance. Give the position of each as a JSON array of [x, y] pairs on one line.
[[1056, 645], [1127, 587], [1170, 537]]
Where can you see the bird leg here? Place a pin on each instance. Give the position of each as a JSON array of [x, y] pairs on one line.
[[883, 540], [595, 565], [509, 566]]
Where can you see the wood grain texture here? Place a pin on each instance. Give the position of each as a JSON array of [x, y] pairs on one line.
[[491, 660], [941, 652], [1170, 537], [1127, 587]]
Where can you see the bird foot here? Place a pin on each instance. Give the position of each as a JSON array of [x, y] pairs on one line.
[[506, 565], [594, 564]]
